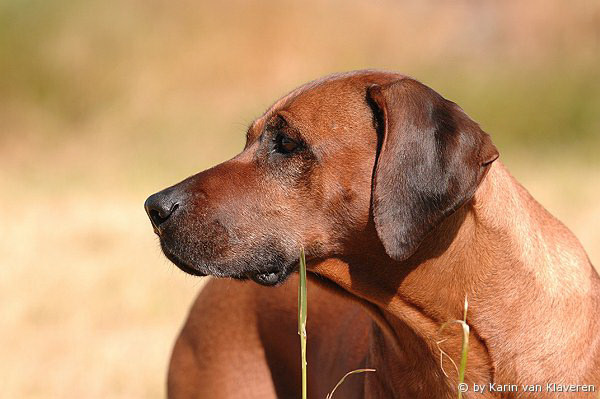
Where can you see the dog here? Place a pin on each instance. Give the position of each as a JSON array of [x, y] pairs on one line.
[[405, 214]]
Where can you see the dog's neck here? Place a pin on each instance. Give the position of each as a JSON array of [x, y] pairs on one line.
[[471, 256]]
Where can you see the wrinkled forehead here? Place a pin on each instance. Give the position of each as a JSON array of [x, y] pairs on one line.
[[336, 103]]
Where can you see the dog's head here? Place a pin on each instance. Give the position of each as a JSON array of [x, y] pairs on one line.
[[318, 168]]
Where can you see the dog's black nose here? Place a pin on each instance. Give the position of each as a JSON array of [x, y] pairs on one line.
[[160, 207]]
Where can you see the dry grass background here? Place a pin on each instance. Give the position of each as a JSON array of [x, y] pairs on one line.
[[103, 103]]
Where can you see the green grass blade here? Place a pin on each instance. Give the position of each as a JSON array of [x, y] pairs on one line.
[[465, 348], [302, 313], [463, 357], [465, 345]]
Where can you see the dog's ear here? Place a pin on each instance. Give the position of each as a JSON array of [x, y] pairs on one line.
[[432, 158]]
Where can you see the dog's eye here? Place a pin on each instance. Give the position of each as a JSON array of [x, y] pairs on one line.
[[284, 144]]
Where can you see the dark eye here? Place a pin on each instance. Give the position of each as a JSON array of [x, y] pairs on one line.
[[284, 144]]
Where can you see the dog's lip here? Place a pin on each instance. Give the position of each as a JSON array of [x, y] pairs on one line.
[[265, 278], [269, 277]]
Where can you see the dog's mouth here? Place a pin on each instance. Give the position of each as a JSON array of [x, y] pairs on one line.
[[269, 278], [269, 274]]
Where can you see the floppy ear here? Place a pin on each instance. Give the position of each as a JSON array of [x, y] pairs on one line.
[[432, 158]]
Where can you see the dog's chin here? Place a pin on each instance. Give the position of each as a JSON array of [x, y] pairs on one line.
[[265, 274], [184, 267]]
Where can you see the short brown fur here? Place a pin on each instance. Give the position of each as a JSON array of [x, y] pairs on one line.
[[383, 278]]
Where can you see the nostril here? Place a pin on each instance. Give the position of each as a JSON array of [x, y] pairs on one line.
[[160, 215], [157, 218], [159, 208]]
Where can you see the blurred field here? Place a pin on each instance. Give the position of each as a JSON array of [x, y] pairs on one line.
[[103, 103]]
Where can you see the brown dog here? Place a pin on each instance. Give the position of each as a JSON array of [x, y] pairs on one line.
[[394, 194]]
